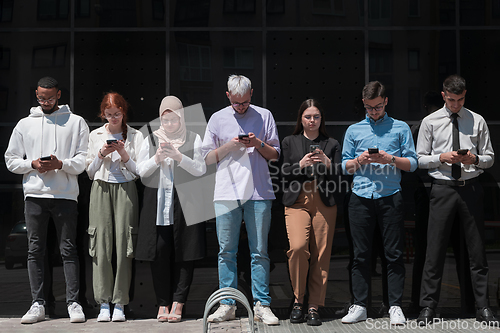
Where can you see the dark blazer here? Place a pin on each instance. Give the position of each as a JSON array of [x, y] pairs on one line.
[[293, 151], [189, 241]]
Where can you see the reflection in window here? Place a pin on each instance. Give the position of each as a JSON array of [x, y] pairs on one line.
[[413, 60], [495, 10], [82, 8], [4, 58], [328, 7], [275, 6], [194, 13], [50, 56], [379, 9], [240, 57], [52, 9], [6, 7], [380, 61], [158, 10], [239, 6], [194, 62], [414, 8]]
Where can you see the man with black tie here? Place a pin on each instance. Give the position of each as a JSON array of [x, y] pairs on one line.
[[454, 144]]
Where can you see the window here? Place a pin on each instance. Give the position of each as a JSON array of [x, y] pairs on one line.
[[4, 58], [158, 10], [414, 8], [275, 6], [379, 9], [239, 6], [52, 9], [82, 8], [6, 7], [194, 62], [240, 57], [49, 56], [413, 60], [328, 7]]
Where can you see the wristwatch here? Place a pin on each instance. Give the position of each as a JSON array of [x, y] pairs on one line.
[[393, 160], [261, 145]]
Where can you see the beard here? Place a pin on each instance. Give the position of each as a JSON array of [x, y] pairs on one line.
[[51, 110]]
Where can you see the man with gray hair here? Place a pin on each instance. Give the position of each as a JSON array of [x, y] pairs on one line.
[[241, 138], [49, 148]]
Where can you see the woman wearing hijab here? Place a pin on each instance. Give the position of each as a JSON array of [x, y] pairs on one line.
[[114, 206], [165, 239], [310, 168]]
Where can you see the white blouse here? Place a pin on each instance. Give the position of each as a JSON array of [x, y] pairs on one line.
[[146, 166]]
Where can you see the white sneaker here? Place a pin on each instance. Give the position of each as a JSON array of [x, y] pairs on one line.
[[35, 314], [104, 314], [356, 313], [224, 312], [397, 316], [75, 312], [118, 313], [264, 314]]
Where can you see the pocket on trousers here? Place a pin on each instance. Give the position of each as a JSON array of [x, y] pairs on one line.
[[92, 240], [131, 241]]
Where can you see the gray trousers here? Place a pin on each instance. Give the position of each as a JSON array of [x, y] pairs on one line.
[[113, 226], [64, 213]]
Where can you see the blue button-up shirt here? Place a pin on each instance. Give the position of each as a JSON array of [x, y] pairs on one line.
[[393, 136]]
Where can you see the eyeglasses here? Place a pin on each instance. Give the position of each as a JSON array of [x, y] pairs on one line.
[[113, 116], [46, 101], [244, 104], [376, 108]]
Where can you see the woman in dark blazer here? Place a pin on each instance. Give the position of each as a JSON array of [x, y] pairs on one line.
[[168, 158], [311, 170]]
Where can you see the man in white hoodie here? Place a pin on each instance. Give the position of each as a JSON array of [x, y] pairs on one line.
[[49, 148]]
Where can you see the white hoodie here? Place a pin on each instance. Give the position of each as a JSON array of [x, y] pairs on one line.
[[62, 134]]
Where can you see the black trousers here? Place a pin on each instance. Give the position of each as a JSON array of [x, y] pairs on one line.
[[171, 279], [364, 215], [465, 204]]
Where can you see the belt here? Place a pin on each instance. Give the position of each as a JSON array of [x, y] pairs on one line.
[[459, 183]]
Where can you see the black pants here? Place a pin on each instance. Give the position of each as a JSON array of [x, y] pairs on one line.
[[364, 215], [448, 203], [171, 279]]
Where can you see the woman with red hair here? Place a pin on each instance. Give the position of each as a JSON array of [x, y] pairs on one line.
[[114, 206]]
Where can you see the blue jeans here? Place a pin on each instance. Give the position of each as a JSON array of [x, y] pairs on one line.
[[64, 213], [257, 217]]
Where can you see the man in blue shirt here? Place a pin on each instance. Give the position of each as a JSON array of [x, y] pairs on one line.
[[375, 151]]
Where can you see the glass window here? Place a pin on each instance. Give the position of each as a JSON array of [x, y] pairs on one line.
[[239, 57], [194, 62], [414, 8], [328, 7], [49, 56], [6, 8], [327, 66], [53, 9], [413, 60], [239, 6]]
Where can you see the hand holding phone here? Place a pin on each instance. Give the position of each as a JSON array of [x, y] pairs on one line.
[[462, 151], [242, 136], [111, 141], [312, 149], [45, 158], [372, 150]]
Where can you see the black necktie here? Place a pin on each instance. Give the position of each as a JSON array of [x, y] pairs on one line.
[[455, 168]]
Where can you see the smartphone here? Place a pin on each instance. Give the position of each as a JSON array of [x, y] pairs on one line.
[[372, 150], [312, 148], [111, 141], [243, 136], [45, 158], [462, 151], [165, 145]]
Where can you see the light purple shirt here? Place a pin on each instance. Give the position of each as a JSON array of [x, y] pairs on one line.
[[242, 174]]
